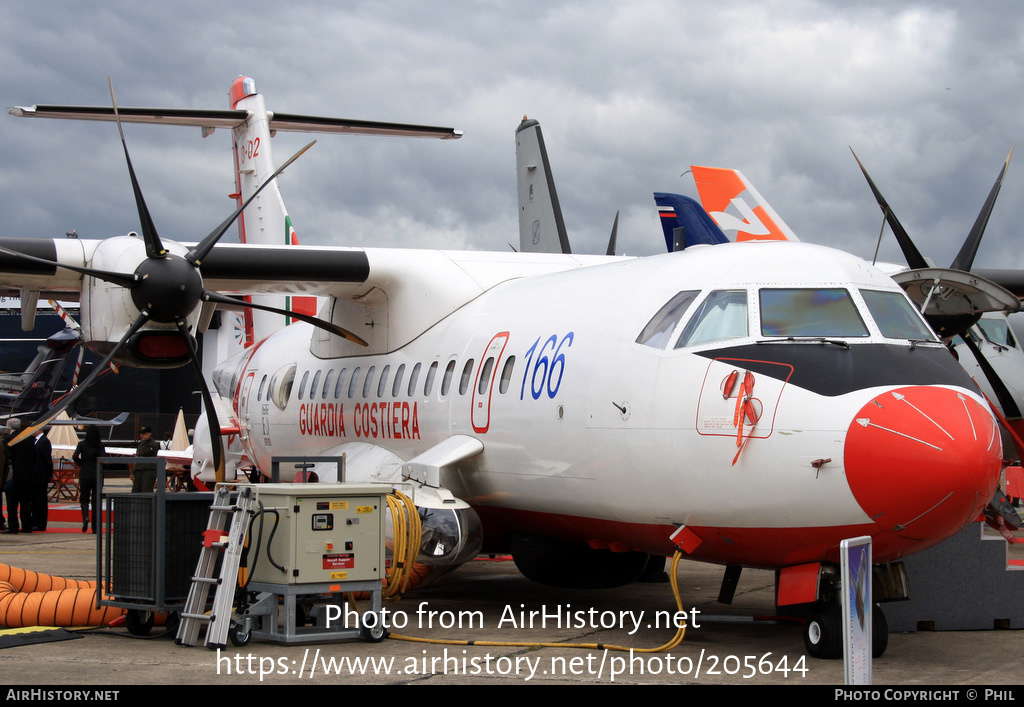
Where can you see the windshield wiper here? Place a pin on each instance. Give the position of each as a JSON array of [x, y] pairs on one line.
[[805, 340]]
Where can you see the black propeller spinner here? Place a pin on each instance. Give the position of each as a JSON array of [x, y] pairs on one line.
[[167, 288]]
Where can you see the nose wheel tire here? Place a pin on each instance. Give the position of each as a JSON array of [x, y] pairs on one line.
[[823, 631], [879, 632]]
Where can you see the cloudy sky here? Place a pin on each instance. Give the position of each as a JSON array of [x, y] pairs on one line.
[[929, 94]]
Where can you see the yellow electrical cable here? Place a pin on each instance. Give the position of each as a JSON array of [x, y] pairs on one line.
[[408, 531]]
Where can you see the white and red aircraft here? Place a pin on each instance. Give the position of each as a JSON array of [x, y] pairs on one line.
[[752, 404]]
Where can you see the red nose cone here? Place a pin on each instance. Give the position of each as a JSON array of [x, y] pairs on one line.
[[923, 462]]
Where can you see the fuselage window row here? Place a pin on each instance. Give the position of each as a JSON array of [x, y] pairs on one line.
[[338, 385]]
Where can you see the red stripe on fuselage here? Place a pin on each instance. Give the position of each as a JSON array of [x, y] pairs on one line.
[[750, 547]]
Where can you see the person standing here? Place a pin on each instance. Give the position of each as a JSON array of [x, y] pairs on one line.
[[42, 474], [144, 473], [86, 453], [21, 457]]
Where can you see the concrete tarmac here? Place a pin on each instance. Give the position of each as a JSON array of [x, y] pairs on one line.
[[491, 601]]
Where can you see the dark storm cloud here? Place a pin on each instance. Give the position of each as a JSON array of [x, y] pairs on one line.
[[629, 94]]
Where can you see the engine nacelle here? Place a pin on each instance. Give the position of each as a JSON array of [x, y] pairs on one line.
[[451, 531], [108, 310]]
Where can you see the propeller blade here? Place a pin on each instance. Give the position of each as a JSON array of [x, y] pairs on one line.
[[211, 412], [965, 258], [128, 280], [154, 248], [200, 251], [615, 232], [1003, 395], [71, 397], [209, 296], [910, 252]]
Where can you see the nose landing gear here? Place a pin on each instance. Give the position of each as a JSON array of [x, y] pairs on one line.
[[823, 631]]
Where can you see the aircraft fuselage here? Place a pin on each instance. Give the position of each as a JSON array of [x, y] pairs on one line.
[[769, 441]]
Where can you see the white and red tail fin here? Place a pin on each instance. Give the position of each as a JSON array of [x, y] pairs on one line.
[[265, 221], [737, 207]]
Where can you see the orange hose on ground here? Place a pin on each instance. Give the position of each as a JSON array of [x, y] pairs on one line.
[[60, 607], [415, 576], [29, 581], [412, 579], [30, 598]]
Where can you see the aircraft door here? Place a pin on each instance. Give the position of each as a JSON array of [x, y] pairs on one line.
[[483, 384], [243, 406]]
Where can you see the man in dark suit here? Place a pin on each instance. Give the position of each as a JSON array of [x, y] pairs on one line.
[[21, 457]]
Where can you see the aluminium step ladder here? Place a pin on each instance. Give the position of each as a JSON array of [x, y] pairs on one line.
[[216, 539]]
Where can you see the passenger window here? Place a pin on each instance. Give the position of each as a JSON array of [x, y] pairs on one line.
[[368, 383], [895, 316], [485, 375], [413, 379], [263, 385], [397, 387], [327, 383], [662, 324], [722, 315], [281, 385], [428, 385], [383, 385], [446, 382], [467, 376], [340, 386], [810, 312], [315, 386], [506, 374], [302, 385], [353, 384]]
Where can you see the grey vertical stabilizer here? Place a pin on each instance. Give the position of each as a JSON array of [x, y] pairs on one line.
[[541, 228]]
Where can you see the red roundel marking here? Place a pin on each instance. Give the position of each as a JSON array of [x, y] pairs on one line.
[[923, 461]]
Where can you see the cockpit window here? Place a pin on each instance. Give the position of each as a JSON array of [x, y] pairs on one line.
[[997, 331], [722, 315], [810, 312], [662, 324], [895, 316]]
